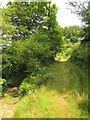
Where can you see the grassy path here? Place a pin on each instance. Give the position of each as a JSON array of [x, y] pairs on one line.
[[61, 78], [61, 97]]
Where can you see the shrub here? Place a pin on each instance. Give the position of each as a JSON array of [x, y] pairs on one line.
[[80, 55], [29, 84], [3, 86], [34, 81], [24, 58]]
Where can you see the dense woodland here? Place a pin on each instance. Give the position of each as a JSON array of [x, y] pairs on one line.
[[34, 46]]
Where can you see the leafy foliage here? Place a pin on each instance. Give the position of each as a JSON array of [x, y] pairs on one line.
[[81, 55], [72, 34], [33, 37], [26, 57], [3, 86], [21, 19], [82, 9]]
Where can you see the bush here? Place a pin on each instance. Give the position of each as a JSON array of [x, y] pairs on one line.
[[29, 84], [3, 86], [25, 88], [34, 81], [23, 58], [80, 55]]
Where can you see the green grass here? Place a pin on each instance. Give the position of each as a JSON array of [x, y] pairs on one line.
[[78, 105], [64, 96], [36, 105], [78, 78]]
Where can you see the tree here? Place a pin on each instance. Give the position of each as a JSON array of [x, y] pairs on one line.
[[26, 17], [72, 33], [21, 19], [82, 9], [23, 58], [82, 55], [35, 39]]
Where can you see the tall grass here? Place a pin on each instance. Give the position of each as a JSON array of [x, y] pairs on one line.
[[36, 105], [78, 78], [78, 88]]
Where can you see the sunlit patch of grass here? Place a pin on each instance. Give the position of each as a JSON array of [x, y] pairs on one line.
[[38, 105], [43, 103], [78, 105], [66, 54], [50, 104]]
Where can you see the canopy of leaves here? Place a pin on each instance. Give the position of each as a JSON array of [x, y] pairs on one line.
[[20, 19]]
